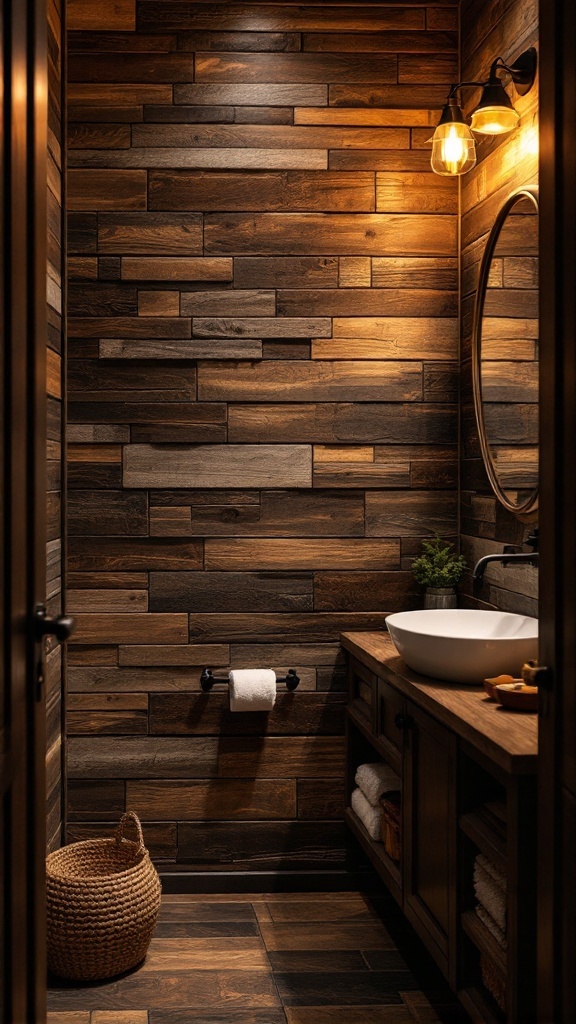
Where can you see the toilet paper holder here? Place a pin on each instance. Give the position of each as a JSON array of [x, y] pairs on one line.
[[207, 680]]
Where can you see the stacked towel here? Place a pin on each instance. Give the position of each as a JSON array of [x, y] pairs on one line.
[[491, 891], [371, 817], [376, 779]]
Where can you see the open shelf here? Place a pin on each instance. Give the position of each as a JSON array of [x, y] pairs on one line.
[[364, 728], [490, 842], [479, 1005], [484, 940], [377, 855]]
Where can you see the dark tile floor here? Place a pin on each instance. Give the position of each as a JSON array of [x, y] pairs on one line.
[[313, 958]]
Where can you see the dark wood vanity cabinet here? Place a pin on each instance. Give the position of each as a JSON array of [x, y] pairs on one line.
[[468, 781]]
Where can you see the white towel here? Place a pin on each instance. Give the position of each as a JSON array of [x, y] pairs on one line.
[[252, 689], [490, 893], [491, 925], [376, 779], [371, 817]]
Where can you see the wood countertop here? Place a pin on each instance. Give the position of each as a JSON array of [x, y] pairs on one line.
[[508, 738]]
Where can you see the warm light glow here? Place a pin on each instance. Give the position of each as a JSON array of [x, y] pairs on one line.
[[529, 141], [494, 120], [453, 149]]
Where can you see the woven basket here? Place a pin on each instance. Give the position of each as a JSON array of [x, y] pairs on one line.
[[103, 899]]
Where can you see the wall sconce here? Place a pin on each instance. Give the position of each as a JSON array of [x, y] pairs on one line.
[[453, 145]]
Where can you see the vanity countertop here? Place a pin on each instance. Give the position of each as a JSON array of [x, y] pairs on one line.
[[509, 738]]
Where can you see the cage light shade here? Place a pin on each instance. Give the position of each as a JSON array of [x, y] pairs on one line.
[[453, 149], [495, 114]]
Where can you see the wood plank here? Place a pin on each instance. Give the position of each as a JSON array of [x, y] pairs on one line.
[[410, 513], [301, 67], [199, 954], [378, 160], [142, 757], [134, 67], [279, 936], [415, 193], [123, 628], [152, 234], [308, 382], [106, 189], [266, 846], [237, 303], [212, 348], [353, 272], [148, 412], [267, 799], [177, 268], [357, 116], [106, 554], [188, 114], [277, 17], [429, 97], [158, 303], [108, 15], [244, 42], [127, 327], [194, 714], [96, 681], [361, 591], [119, 42], [99, 136], [261, 191], [174, 656], [385, 302], [215, 466], [433, 68], [240, 990], [216, 158], [87, 299], [160, 838], [267, 327], [380, 42], [285, 627], [397, 272], [110, 95], [102, 723], [270, 756], [286, 272], [269, 95], [321, 553], [392, 423], [266, 136], [114, 513], [230, 591], [338, 234], [361, 474]]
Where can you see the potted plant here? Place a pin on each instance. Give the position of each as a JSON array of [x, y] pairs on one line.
[[438, 569]]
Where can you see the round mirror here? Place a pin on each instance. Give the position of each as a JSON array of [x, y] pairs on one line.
[[506, 353]]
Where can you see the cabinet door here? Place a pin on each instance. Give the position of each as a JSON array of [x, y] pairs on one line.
[[391, 720], [362, 692], [429, 821]]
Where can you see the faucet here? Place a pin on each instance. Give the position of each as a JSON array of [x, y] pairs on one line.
[[509, 556]]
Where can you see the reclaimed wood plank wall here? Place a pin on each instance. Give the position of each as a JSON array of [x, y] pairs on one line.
[[490, 30], [263, 345], [54, 387]]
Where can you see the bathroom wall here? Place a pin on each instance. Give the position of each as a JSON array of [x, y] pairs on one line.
[[55, 256], [262, 383], [490, 30]]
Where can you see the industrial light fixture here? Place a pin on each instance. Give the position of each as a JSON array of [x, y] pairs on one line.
[[453, 146]]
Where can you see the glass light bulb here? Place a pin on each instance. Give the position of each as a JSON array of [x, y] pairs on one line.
[[453, 149], [494, 120]]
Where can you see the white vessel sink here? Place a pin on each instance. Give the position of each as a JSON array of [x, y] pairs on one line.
[[462, 645]]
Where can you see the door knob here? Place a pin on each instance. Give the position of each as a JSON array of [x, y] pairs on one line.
[[61, 627]]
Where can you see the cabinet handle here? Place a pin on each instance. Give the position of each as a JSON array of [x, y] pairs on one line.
[[402, 721]]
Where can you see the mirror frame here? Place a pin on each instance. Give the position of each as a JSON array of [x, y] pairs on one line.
[[529, 507]]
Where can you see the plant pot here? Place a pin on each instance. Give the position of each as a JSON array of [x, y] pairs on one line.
[[440, 597]]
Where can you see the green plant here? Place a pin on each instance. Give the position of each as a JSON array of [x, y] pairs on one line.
[[438, 566]]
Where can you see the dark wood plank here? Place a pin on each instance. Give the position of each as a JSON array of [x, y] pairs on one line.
[[201, 715], [269, 799], [300, 67], [315, 381], [106, 554], [343, 421], [266, 846], [141, 757], [108, 189], [230, 591], [310, 234], [258, 191], [152, 234]]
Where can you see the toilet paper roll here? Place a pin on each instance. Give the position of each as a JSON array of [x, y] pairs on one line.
[[252, 689]]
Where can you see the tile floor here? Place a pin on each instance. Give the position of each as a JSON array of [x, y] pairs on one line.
[[311, 958]]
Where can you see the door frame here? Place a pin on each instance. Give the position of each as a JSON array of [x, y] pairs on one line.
[[23, 53], [557, 724]]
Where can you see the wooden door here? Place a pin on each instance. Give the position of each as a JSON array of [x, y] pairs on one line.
[[429, 820], [22, 507], [557, 725]]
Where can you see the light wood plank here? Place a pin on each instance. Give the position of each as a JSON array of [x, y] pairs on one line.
[[320, 553], [218, 466]]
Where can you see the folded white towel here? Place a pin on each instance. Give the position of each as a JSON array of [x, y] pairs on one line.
[[252, 689], [371, 817], [376, 779], [491, 869], [491, 925], [490, 894]]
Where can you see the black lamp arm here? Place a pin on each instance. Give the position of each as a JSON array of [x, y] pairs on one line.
[[459, 85]]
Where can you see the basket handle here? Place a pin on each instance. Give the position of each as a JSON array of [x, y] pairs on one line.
[[133, 817]]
